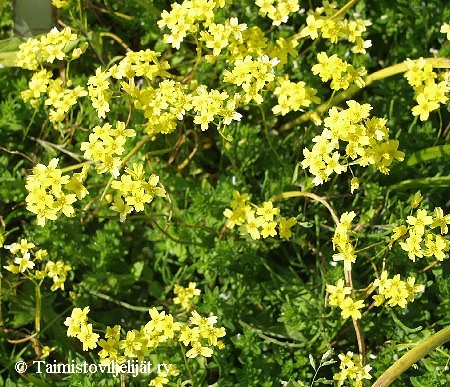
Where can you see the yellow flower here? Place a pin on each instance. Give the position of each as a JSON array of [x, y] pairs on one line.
[[445, 29], [420, 221], [440, 220], [338, 293], [285, 227], [351, 308], [88, 337]]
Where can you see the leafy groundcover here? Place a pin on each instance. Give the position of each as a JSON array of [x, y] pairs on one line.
[[225, 193]]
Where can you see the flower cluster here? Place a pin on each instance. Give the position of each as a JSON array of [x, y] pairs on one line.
[[394, 291], [59, 97], [105, 145], [252, 75], [427, 92], [46, 197], [186, 18], [367, 141], [341, 240], [339, 71], [78, 327], [321, 22], [257, 220], [340, 296], [200, 333], [277, 10], [134, 191], [163, 106], [37, 51], [26, 260], [293, 96], [184, 296], [218, 37], [417, 238], [207, 105], [352, 369], [33, 54], [168, 103]]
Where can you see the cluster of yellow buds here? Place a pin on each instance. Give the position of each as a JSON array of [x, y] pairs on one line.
[[60, 3], [352, 369], [257, 220], [418, 239], [341, 73], [26, 260], [184, 296], [394, 291], [427, 92], [321, 22], [367, 139]]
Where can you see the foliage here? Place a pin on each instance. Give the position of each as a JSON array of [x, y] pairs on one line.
[[244, 173]]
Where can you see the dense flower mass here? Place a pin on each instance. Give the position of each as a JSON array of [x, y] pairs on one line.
[[425, 235], [211, 68], [117, 345], [257, 221], [366, 142], [48, 189], [431, 89], [352, 369]]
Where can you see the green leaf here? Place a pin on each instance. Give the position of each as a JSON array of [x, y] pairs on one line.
[[312, 362], [427, 154], [293, 383], [425, 182], [8, 51]]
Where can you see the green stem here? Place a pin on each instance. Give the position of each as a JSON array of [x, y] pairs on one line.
[[296, 194], [136, 148], [344, 9], [412, 356], [75, 166], [352, 90], [37, 317], [191, 376]]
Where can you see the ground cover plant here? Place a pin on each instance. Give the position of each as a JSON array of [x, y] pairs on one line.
[[226, 192]]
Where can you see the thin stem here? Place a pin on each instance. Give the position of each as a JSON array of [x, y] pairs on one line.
[[117, 302], [296, 194], [76, 166], [37, 317], [186, 363], [344, 9], [412, 356], [117, 39]]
